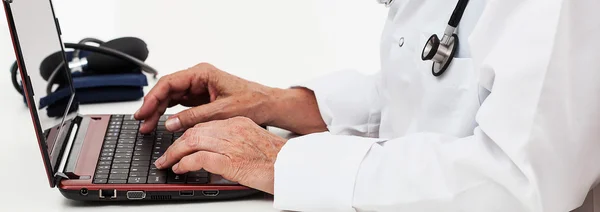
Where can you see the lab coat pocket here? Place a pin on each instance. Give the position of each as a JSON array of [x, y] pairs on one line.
[[451, 99]]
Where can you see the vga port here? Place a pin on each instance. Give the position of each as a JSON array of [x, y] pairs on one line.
[[136, 195]]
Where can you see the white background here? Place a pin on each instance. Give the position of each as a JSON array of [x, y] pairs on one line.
[[275, 42]]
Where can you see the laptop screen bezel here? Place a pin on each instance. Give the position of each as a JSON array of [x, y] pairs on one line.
[[28, 89]]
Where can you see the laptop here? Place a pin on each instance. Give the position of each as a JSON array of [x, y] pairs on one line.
[[100, 157]]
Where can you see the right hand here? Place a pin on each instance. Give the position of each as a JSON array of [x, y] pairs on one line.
[[211, 93]]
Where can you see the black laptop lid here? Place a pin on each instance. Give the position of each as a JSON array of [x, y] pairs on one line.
[[36, 36]]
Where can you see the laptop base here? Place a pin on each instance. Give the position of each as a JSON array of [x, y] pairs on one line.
[[140, 195]]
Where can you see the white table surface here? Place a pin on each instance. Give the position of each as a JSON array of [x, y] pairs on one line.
[[24, 183]]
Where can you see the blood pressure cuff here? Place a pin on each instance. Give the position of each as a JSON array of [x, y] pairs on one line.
[[91, 89]]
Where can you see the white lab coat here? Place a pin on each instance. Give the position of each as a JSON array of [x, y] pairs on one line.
[[513, 125]]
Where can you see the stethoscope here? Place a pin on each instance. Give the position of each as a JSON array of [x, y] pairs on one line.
[[441, 52]]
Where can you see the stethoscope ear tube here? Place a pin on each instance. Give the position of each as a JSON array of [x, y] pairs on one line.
[[457, 14]]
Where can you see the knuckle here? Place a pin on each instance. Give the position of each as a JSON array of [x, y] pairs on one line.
[[190, 116], [204, 67], [191, 142]]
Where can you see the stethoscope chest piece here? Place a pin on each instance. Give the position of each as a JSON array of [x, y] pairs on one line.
[[440, 52]]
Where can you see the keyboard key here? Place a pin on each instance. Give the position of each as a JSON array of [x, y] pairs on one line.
[[114, 130], [126, 141], [142, 153], [121, 161], [158, 173], [118, 177], [175, 178], [128, 118], [106, 158], [123, 155], [136, 169], [130, 127], [163, 118], [102, 171], [137, 180], [198, 174], [157, 179], [107, 154], [121, 166], [124, 150], [115, 123], [127, 136], [105, 163], [103, 167], [100, 181], [138, 174], [119, 171], [108, 146], [124, 146], [140, 164], [197, 180], [101, 176], [142, 148], [110, 142], [131, 122], [116, 118], [129, 132], [110, 138], [141, 158], [117, 181], [114, 127]]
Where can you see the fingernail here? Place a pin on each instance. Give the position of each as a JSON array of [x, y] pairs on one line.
[[173, 124], [175, 167], [159, 162]]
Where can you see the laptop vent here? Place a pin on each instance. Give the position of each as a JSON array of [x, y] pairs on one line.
[[160, 197]]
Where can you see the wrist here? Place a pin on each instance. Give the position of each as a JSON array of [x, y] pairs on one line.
[[295, 109], [275, 105]]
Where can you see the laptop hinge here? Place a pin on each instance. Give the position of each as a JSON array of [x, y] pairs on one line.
[[68, 150]]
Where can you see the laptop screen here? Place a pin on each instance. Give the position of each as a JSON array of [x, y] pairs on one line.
[[36, 36]]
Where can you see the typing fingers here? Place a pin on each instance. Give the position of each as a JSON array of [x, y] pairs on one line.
[[187, 145]]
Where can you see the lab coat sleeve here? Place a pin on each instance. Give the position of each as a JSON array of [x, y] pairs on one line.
[[348, 102], [536, 148]]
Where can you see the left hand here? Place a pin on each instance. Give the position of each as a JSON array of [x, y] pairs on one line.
[[235, 148]]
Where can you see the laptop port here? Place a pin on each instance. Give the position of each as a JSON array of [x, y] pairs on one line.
[[83, 192], [107, 193], [136, 195], [210, 193], [186, 193]]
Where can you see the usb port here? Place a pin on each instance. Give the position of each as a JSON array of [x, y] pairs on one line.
[[186, 193], [210, 193]]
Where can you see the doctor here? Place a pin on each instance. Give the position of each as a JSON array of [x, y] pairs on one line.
[[512, 124]]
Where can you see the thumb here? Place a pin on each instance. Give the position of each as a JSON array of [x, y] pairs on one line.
[[202, 113]]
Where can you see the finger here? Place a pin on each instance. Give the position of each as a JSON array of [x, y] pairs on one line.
[[209, 161], [150, 123], [189, 145], [188, 101], [218, 109], [165, 89]]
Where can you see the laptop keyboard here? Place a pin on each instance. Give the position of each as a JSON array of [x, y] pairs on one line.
[[127, 157]]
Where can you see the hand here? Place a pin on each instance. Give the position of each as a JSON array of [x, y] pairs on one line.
[[236, 148], [212, 94]]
